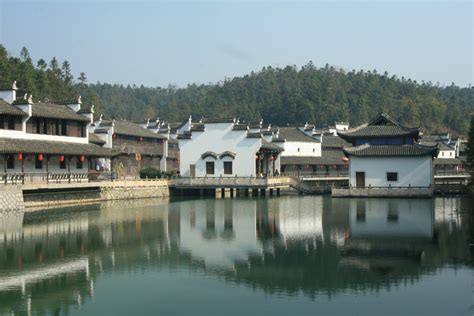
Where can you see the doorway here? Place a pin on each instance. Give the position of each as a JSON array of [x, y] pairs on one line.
[[192, 171], [360, 179]]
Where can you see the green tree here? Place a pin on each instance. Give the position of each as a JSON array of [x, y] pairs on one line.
[[470, 150]]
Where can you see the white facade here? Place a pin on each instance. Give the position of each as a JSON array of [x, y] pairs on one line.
[[301, 149], [217, 139], [444, 152], [411, 171], [342, 126]]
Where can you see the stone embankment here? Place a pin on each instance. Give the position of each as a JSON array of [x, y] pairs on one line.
[[52, 195]]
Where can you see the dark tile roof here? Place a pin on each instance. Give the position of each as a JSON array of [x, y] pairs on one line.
[[447, 161], [198, 127], [328, 158], [240, 127], [294, 134], [209, 154], [172, 141], [49, 110], [381, 126], [7, 108], [94, 139], [227, 154], [65, 102], [254, 135], [85, 110], [217, 120], [377, 131], [367, 150], [133, 129], [269, 146], [185, 135], [330, 141], [8, 145]]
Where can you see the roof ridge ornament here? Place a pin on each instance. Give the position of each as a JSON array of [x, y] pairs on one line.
[[14, 87], [79, 100], [30, 99]]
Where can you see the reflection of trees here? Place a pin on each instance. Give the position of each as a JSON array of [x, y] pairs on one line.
[[319, 262]]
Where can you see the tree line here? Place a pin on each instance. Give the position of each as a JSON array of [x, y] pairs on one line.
[[281, 96]]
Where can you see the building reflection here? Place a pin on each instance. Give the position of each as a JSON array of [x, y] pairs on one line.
[[317, 245]]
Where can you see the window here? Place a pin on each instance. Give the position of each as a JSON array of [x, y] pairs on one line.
[[298, 150], [63, 127], [314, 150], [38, 163], [209, 167], [10, 161], [392, 176], [442, 153], [56, 127], [450, 153], [78, 164], [62, 164], [227, 167], [11, 122]]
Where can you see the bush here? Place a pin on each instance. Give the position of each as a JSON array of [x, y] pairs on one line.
[[150, 173]]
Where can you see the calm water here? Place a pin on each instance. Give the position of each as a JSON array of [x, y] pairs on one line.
[[279, 256]]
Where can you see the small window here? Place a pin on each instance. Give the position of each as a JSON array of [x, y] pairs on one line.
[[314, 150], [392, 176], [62, 164], [442, 153], [298, 150], [451, 153], [10, 161], [38, 163], [11, 122], [209, 167], [227, 167]]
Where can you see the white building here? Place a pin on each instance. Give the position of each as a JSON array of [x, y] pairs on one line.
[[227, 148], [44, 138], [386, 154]]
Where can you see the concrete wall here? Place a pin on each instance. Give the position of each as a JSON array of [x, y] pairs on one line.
[[219, 138], [414, 171]]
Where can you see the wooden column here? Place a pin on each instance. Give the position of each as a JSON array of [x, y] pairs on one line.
[[5, 166], [47, 168], [23, 169]]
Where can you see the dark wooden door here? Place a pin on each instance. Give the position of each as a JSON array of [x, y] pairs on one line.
[[192, 170], [360, 179]]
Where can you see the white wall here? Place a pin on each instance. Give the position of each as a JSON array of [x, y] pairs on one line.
[[6, 133], [8, 95], [219, 137], [447, 154], [414, 171], [306, 149]]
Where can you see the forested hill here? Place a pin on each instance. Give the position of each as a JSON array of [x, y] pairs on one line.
[[292, 95], [278, 95]]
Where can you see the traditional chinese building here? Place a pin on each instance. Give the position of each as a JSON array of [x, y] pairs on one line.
[[228, 148], [42, 141], [138, 147], [387, 155]]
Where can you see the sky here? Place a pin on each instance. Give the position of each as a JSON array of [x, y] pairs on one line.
[[159, 43]]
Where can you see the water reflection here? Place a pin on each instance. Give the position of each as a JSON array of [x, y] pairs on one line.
[[50, 261]]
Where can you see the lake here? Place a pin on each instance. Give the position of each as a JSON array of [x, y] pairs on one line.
[[287, 255]]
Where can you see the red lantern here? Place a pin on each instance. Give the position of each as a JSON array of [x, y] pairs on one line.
[[257, 157], [114, 135], [141, 138], [61, 158], [40, 157], [345, 159], [81, 158], [271, 158], [20, 156]]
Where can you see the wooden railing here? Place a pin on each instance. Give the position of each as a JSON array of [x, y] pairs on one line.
[[318, 174]]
